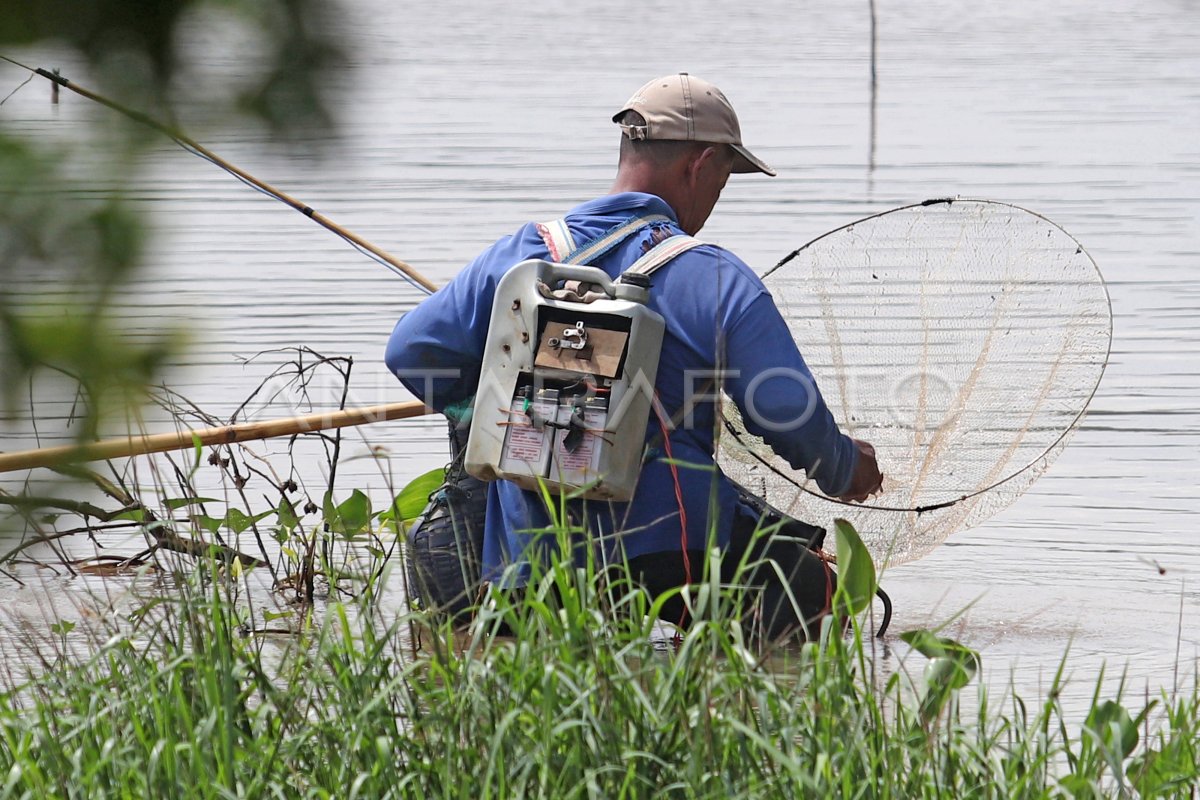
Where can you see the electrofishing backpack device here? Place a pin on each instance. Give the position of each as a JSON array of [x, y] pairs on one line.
[[567, 381]]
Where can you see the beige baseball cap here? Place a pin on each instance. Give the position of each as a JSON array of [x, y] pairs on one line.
[[686, 108]]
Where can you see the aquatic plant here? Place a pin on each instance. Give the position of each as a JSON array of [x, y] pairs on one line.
[[565, 689]]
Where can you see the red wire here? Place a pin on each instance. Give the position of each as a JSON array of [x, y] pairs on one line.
[[828, 588], [683, 538]]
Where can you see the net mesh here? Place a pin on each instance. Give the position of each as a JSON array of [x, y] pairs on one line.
[[962, 338]]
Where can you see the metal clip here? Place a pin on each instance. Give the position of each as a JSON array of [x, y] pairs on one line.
[[574, 338]]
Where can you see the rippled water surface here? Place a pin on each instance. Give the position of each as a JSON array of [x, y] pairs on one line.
[[463, 122]]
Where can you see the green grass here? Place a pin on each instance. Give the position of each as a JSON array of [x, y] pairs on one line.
[[585, 699]]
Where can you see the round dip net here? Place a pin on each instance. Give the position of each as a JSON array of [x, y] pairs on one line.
[[962, 338]]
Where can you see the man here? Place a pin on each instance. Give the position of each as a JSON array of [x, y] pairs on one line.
[[680, 141]]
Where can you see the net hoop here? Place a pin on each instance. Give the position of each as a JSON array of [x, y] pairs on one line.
[[1085, 367]]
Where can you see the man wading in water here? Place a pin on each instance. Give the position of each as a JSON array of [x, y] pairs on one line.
[[680, 141]]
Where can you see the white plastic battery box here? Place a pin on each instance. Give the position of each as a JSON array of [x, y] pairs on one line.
[[566, 386]]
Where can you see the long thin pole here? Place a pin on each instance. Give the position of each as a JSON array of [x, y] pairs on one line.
[[122, 447], [874, 94], [125, 446], [407, 269]]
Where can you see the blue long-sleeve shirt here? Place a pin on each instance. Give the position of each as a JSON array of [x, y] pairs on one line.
[[718, 315]]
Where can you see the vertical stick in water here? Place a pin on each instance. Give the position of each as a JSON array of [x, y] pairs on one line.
[[871, 153]]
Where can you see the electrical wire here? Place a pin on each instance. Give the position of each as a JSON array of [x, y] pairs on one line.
[[683, 537], [14, 91]]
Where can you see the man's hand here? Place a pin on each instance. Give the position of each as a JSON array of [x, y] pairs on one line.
[[867, 478]]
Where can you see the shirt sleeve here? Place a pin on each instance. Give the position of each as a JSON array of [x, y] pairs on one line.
[[779, 398], [436, 348]]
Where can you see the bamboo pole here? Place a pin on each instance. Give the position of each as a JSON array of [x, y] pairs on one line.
[[317, 217], [122, 447]]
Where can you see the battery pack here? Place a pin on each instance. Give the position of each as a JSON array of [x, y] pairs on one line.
[[566, 387]]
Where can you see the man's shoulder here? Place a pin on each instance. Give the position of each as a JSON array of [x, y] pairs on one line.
[[506, 251], [715, 262]]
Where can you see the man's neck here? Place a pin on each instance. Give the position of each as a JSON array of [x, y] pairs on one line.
[[632, 181]]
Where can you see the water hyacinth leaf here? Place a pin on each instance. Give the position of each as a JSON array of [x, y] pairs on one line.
[[210, 524], [235, 520], [133, 515], [856, 571], [930, 645], [238, 521], [943, 678], [951, 666], [328, 509], [948, 673], [924, 642], [287, 516], [412, 499], [176, 503], [350, 517], [1112, 726], [62, 627], [355, 512]]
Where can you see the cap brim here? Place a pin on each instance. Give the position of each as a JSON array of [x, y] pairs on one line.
[[748, 162]]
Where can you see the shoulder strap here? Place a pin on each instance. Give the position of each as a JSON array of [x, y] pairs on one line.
[[562, 248], [663, 252], [557, 237]]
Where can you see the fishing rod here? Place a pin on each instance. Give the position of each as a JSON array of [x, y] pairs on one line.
[[122, 447], [126, 446], [404, 270]]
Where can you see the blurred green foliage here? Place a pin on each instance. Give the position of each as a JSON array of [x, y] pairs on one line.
[[67, 251]]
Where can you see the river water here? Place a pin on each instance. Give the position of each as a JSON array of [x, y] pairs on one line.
[[466, 119]]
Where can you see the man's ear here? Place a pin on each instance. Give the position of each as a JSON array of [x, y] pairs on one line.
[[709, 154], [698, 161]]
